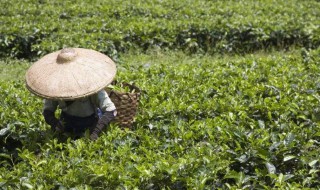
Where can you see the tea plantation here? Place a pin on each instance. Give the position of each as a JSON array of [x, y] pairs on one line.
[[230, 95]]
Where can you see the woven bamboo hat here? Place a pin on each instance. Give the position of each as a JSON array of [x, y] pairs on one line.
[[70, 73]]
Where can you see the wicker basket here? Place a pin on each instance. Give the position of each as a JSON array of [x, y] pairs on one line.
[[126, 104]]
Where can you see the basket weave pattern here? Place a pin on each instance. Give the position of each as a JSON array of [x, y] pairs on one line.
[[126, 104]]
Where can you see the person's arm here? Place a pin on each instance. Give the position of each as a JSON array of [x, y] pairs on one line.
[[108, 110], [48, 113]]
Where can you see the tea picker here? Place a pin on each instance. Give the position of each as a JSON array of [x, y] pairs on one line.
[[70, 80]]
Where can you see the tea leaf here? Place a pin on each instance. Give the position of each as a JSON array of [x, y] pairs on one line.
[[289, 157], [271, 168], [4, 131]]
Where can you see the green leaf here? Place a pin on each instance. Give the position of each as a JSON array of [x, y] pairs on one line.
[[27, 185], [312, 163], [4, 131], [261, 124], [271, 168], [288, 157]]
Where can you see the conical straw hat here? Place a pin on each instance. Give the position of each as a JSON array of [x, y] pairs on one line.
[[70, 73]]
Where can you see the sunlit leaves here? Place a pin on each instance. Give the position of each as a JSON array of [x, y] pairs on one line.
[[203, 122], [31, 29]]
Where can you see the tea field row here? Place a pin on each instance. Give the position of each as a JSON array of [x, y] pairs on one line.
[[31, 28]]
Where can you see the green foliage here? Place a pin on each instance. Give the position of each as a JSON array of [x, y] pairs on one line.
[[13, 69], [36, 27], [204, 122]]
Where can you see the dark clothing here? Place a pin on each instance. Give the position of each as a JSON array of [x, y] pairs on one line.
[[50, 118], [78, 125], [103, 121], [80, 115]]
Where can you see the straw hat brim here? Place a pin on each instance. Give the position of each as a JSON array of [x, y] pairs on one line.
[[70, 74]]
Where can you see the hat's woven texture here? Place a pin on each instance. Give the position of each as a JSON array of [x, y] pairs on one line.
[[70, 73], [126, 104]]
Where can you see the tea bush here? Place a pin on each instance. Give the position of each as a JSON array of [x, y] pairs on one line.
[[35, 27], [205, 122]]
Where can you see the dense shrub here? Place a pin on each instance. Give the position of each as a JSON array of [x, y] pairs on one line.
[[36, 27], [204, 123]]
